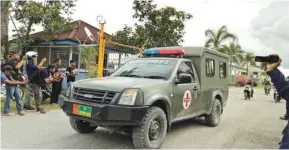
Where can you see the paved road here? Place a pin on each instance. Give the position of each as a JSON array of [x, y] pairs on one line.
[[244, 124]]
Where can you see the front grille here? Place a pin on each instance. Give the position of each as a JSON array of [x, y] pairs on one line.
[[92, 95]]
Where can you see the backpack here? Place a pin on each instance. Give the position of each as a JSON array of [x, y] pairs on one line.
[[39, 79]]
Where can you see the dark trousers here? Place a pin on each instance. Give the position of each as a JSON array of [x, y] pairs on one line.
[[287, 108], [56, 90], [285, 139]]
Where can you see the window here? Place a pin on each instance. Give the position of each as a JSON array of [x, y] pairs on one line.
[[210, 67], [147, 68], [223, 70], [186, 67]]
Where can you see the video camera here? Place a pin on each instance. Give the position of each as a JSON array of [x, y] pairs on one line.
[[267, 59]]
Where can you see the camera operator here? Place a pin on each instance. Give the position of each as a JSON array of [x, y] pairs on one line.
[[12, 90], [39, 79], [282, 86], [286, 116], [31, 67]]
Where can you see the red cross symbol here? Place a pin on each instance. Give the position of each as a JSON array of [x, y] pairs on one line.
[[187, 99]]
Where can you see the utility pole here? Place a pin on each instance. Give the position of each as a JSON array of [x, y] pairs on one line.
[[101, 47]]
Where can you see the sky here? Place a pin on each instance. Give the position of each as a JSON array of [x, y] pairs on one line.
[[259, 24]]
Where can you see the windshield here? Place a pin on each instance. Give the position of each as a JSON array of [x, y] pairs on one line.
[[147, 68]]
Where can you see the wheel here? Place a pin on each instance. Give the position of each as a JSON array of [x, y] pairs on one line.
[[150, 134], [214, 118], [81, 126], [3, 91], [21, 90]]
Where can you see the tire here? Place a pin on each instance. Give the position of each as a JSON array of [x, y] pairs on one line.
[[81, 126], [214, 118], [140, 133], [21, 90]]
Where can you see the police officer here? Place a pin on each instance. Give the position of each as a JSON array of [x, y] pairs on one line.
[[282, 86]]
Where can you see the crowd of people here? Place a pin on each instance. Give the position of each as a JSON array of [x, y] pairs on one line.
[[36, 79]]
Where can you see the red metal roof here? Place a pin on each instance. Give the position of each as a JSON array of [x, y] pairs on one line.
[[75, 34]]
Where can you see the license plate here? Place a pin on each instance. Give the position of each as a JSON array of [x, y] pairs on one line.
[[81, 110]]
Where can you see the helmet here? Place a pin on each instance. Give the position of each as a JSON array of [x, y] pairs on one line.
[[31, 54]]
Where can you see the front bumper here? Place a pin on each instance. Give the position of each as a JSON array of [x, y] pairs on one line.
[[104, 114]]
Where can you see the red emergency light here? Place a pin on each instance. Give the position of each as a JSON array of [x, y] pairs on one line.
[[163, 51]]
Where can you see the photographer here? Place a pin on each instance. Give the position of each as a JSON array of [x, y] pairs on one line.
[[286, 116], [31, 67], [57, 85], [38, 80], [12, 90], [282, 86]]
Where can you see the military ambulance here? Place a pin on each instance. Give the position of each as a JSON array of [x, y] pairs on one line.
[[146, 95]]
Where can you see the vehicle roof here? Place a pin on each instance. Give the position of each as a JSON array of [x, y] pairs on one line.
[[169, 58], [195, 51]]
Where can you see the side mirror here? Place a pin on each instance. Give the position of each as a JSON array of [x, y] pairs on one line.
[[183, 78]]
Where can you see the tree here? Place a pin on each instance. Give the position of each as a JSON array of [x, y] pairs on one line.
[[234, 52], [124, 36], [53, 16], [216, 39], [88, 55], [156, 26], [249, 59], [5, 5]]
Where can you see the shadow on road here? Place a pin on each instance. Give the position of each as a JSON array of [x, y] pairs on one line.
[[102, 138]]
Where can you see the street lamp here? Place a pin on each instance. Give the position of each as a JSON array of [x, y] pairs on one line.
[[101, 45]]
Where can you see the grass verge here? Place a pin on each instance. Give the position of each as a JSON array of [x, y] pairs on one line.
[[46, 105]]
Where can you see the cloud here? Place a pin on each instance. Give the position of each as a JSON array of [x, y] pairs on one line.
[[270, 27], [284, 71]]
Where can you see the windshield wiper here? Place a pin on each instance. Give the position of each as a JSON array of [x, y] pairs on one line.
[[155, 77], [130, 75]]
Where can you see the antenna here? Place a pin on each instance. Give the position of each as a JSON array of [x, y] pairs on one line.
[[89, 34]]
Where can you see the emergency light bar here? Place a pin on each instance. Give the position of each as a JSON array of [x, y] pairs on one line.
[[155, 51]]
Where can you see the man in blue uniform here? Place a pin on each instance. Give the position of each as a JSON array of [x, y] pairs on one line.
[[282, 86]]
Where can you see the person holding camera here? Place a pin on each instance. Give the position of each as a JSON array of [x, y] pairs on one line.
[[31, 67], [282, 86], [71, 73], [12, 90], [38, 80], [286, 116], [57, 84]]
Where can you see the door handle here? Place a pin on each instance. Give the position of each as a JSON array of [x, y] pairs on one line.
[[195, 88]]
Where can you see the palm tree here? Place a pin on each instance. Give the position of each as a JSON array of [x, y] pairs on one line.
[[215, 39], [249, 59], [234, 52]]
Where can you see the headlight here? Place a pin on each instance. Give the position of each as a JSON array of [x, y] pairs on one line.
[[128, 97]]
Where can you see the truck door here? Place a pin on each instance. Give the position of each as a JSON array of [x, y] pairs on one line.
[[186, 95]]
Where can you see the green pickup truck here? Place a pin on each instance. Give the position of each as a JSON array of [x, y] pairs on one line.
[[146, 95]]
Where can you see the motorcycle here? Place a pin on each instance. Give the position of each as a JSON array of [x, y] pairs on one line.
[[248, 92], [3, 91], [267, 89], [277, 97]]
